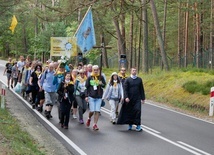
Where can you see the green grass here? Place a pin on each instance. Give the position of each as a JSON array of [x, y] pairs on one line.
[[15, 141], [186, 89]]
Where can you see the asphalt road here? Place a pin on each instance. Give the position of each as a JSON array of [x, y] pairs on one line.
[[166, 132]]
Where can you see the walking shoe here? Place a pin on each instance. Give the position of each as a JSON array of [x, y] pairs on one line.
[[95, 127], [33, 105], [47, 114], [116, 114], [88, 122], [81, 121], [130, 127], [62, 125], [74, 116], [113, 122], [65, 127], [138, 128]]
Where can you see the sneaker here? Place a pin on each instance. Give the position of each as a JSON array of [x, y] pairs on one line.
[[88, 122], [62, 126], [130, 127], [116, 114], [33, 105], [95, 127], [113, 121], [74, 117], [65, 127], [138, 128], [81, 121]]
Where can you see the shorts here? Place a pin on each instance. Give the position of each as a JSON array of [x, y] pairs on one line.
[[8, 76], [74, 103], [50, 98], [94, 104], [41, 95]]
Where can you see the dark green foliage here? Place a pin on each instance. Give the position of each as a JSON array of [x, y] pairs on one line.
[[193, 87]]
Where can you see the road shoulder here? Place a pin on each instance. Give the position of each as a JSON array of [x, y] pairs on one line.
[[46, 141]]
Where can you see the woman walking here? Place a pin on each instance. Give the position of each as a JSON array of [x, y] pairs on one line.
[[79, 92], [65, 91], [33, 82], [114, 94]]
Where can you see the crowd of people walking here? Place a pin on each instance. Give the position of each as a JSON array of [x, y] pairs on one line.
[[76, 89]]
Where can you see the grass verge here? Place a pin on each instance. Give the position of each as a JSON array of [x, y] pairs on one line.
[[13, 140]]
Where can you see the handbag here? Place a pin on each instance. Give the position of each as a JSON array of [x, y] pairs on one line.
[[18, 87], [103, 103], [82, 95]]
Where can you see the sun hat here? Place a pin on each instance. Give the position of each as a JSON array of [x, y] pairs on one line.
[[114, 73]]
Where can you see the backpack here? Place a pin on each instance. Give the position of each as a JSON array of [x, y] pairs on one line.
[[9, 67]]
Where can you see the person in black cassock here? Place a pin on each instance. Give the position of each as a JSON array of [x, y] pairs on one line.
[[134, 96]]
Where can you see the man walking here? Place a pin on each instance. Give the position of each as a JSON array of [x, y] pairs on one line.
[[50, 89], [134, 96], [94, 85]]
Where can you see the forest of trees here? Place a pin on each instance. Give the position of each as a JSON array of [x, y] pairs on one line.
[[165, 33]]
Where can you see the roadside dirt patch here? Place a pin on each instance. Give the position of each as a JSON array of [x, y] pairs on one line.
[[4, 148], [46, 141]]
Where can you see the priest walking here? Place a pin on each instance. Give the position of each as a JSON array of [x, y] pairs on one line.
[[134, 96]]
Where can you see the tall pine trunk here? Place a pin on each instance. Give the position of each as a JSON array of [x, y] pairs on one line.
[[145, 38], [159, 36], [186, 34], [131, 56], [211, 34]]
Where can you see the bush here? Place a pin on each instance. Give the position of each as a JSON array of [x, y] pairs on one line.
[[191, 87]]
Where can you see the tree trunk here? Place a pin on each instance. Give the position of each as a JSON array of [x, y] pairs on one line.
[[179, 31], [164, 22], [104, 52], [131, 39], [145, 38], [211, 35], [159, 36], [140, 37], [186, 34], [197, 37], [121, 42]]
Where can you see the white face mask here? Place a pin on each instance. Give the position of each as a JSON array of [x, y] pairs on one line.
[[115, 81], [67, 81]]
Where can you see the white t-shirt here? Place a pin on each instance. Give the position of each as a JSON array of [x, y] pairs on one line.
[[20, 65]]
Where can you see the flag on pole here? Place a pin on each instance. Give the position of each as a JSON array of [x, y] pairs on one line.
[[85, 33], [13, 24]]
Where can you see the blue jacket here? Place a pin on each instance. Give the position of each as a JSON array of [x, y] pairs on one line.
[[47, 81]]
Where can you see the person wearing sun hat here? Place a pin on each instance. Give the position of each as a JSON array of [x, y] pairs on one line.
[[114, 94]]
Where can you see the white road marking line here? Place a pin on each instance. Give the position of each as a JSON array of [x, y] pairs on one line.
[[173, 143], [143, 126], [148, 128], [161, 137], [104, 109], [194, 148], [165, 108], [71, 143]]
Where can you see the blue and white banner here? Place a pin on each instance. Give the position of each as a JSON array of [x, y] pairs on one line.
[[85, 33]]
